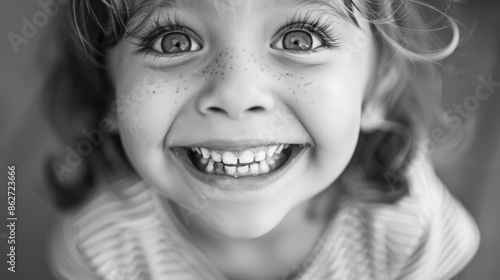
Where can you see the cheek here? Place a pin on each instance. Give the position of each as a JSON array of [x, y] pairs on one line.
[[333, 119], [329, 106], [146, 106]]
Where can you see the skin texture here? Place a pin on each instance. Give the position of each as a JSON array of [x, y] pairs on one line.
[[261, 93]]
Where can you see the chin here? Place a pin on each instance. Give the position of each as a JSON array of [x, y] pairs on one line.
[[251, 225]]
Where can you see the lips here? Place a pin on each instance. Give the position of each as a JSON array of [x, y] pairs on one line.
[[195, 164], [253, 161]]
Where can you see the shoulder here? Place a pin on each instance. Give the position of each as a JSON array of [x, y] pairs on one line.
[[451, 238], [93, 234], [64, 258], [428, 231]]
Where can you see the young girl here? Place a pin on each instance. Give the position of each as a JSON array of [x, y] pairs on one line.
[[251, 140]]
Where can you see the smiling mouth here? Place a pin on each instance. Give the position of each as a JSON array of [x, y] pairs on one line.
[[254, 161]]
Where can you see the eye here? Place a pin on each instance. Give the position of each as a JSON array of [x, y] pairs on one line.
[[176, 42], [298, 41]]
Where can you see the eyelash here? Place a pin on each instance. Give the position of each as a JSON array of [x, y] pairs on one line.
[[323, 30], [151, 32]]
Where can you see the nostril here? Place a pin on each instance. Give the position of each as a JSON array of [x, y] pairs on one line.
[[216, 110], [256, 109], [233, 112]]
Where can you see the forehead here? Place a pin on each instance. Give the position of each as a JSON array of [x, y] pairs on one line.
[[180, 3], [335, 7]]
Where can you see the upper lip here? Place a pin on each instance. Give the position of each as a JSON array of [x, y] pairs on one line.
[[234, 145]]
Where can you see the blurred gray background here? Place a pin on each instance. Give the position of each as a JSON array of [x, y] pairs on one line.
[[471, 172]]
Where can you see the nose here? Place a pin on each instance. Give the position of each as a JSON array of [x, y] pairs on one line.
[[235, 96]]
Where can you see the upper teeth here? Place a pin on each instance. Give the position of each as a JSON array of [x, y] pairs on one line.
[[244, 157]]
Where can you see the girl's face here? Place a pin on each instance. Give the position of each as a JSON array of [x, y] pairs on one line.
[[241, 110]]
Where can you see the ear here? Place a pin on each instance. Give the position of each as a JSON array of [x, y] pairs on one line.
[[374, 111], [109, 122]]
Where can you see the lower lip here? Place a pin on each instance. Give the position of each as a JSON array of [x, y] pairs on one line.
[[229, 183]]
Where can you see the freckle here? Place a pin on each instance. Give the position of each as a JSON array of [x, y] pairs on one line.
[[293, 92], [185, 88], [298, 86], [154, 91], [231, 57], [180, 76], [175, 101], [222, 73], [216, 72], [231, 67], [204, 72], [220, 54]]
